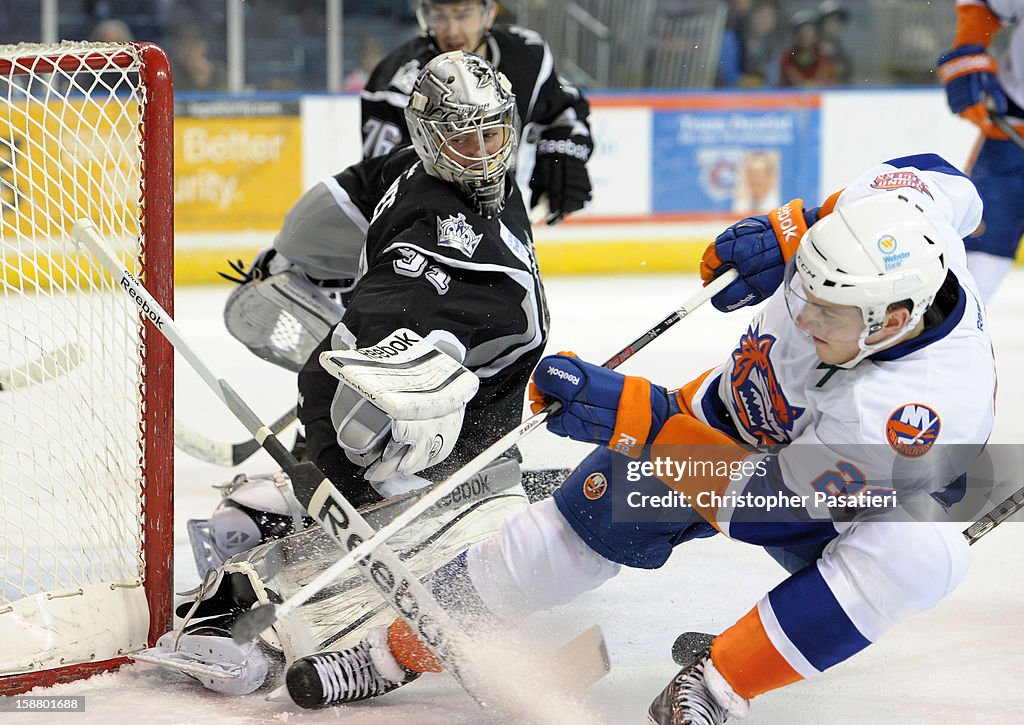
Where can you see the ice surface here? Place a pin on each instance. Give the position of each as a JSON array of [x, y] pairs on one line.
[[960, 663]]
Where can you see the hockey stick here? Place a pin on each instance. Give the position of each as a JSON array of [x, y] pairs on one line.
[[251, 623], [342, 522], [996, 516], [48, 365], [223, 454], [1000, 121]]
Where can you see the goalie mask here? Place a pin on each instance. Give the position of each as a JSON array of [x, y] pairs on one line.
[[464, 126], [854, 264]]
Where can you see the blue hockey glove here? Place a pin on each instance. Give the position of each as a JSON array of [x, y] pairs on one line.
[[972, 88], [758, 248], [599, 405]]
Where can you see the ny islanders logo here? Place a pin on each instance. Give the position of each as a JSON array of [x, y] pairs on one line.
[[761, 402], [456, 232], [594, 486], [912, 429]]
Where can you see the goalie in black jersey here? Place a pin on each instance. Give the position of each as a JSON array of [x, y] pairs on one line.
[[440, 330], [555, 111], [448, 255]]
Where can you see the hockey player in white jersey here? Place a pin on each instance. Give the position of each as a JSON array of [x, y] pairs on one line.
[[866, 379], [977, 84]]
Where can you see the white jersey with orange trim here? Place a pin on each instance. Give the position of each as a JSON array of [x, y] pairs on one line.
[[890, 420], [1011, 60]]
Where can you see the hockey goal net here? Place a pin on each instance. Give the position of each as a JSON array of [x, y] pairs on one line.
[[86, 413]]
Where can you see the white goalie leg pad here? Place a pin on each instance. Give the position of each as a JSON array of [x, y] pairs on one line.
[[339, 616], [281, 318], [422, 390], [216, 662], [535, 562], [202, 646]]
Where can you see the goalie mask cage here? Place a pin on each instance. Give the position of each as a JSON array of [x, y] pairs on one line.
[[86, 418]]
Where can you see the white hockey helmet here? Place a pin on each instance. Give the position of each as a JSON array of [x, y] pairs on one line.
[[868, 255], [463, 123]]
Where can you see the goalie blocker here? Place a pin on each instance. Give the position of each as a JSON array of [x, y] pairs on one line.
[[401, 404]]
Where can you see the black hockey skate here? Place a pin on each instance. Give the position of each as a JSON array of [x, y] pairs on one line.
[[687, 700], [332, 678]]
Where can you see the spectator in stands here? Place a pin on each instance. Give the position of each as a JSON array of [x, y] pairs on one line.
[[730, 58], [112, 30], [761, 46], [834, 18], [191, 65], [803, 63]]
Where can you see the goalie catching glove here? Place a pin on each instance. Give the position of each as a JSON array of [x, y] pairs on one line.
[[400, 404], [599, 405], [560, 171]]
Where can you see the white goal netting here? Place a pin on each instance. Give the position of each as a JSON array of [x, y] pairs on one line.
[[75, 359]]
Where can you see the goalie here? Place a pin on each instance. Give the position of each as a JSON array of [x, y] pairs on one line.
[[427, 367]]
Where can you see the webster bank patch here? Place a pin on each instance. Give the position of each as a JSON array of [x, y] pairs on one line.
[[901, 180]]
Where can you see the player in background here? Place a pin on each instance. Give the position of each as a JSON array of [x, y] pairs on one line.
[[976, 81], [849, 380], [554, 112]]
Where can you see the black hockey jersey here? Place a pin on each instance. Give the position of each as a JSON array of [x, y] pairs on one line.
[[432, 264], [521, 54]]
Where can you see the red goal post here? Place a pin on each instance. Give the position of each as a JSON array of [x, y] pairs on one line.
[[86, 390]]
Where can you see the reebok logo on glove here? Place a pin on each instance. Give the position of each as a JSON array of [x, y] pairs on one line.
[[564, 146], [390, 347], [556, 373], [786, 225]]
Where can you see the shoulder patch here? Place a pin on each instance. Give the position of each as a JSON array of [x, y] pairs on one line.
[[405, 77], [912, 429], [457, 233], [901, 180]]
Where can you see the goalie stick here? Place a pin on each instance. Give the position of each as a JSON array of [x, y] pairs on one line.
[[219, 453], [339, 519], [251, 623], [45, 367]]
